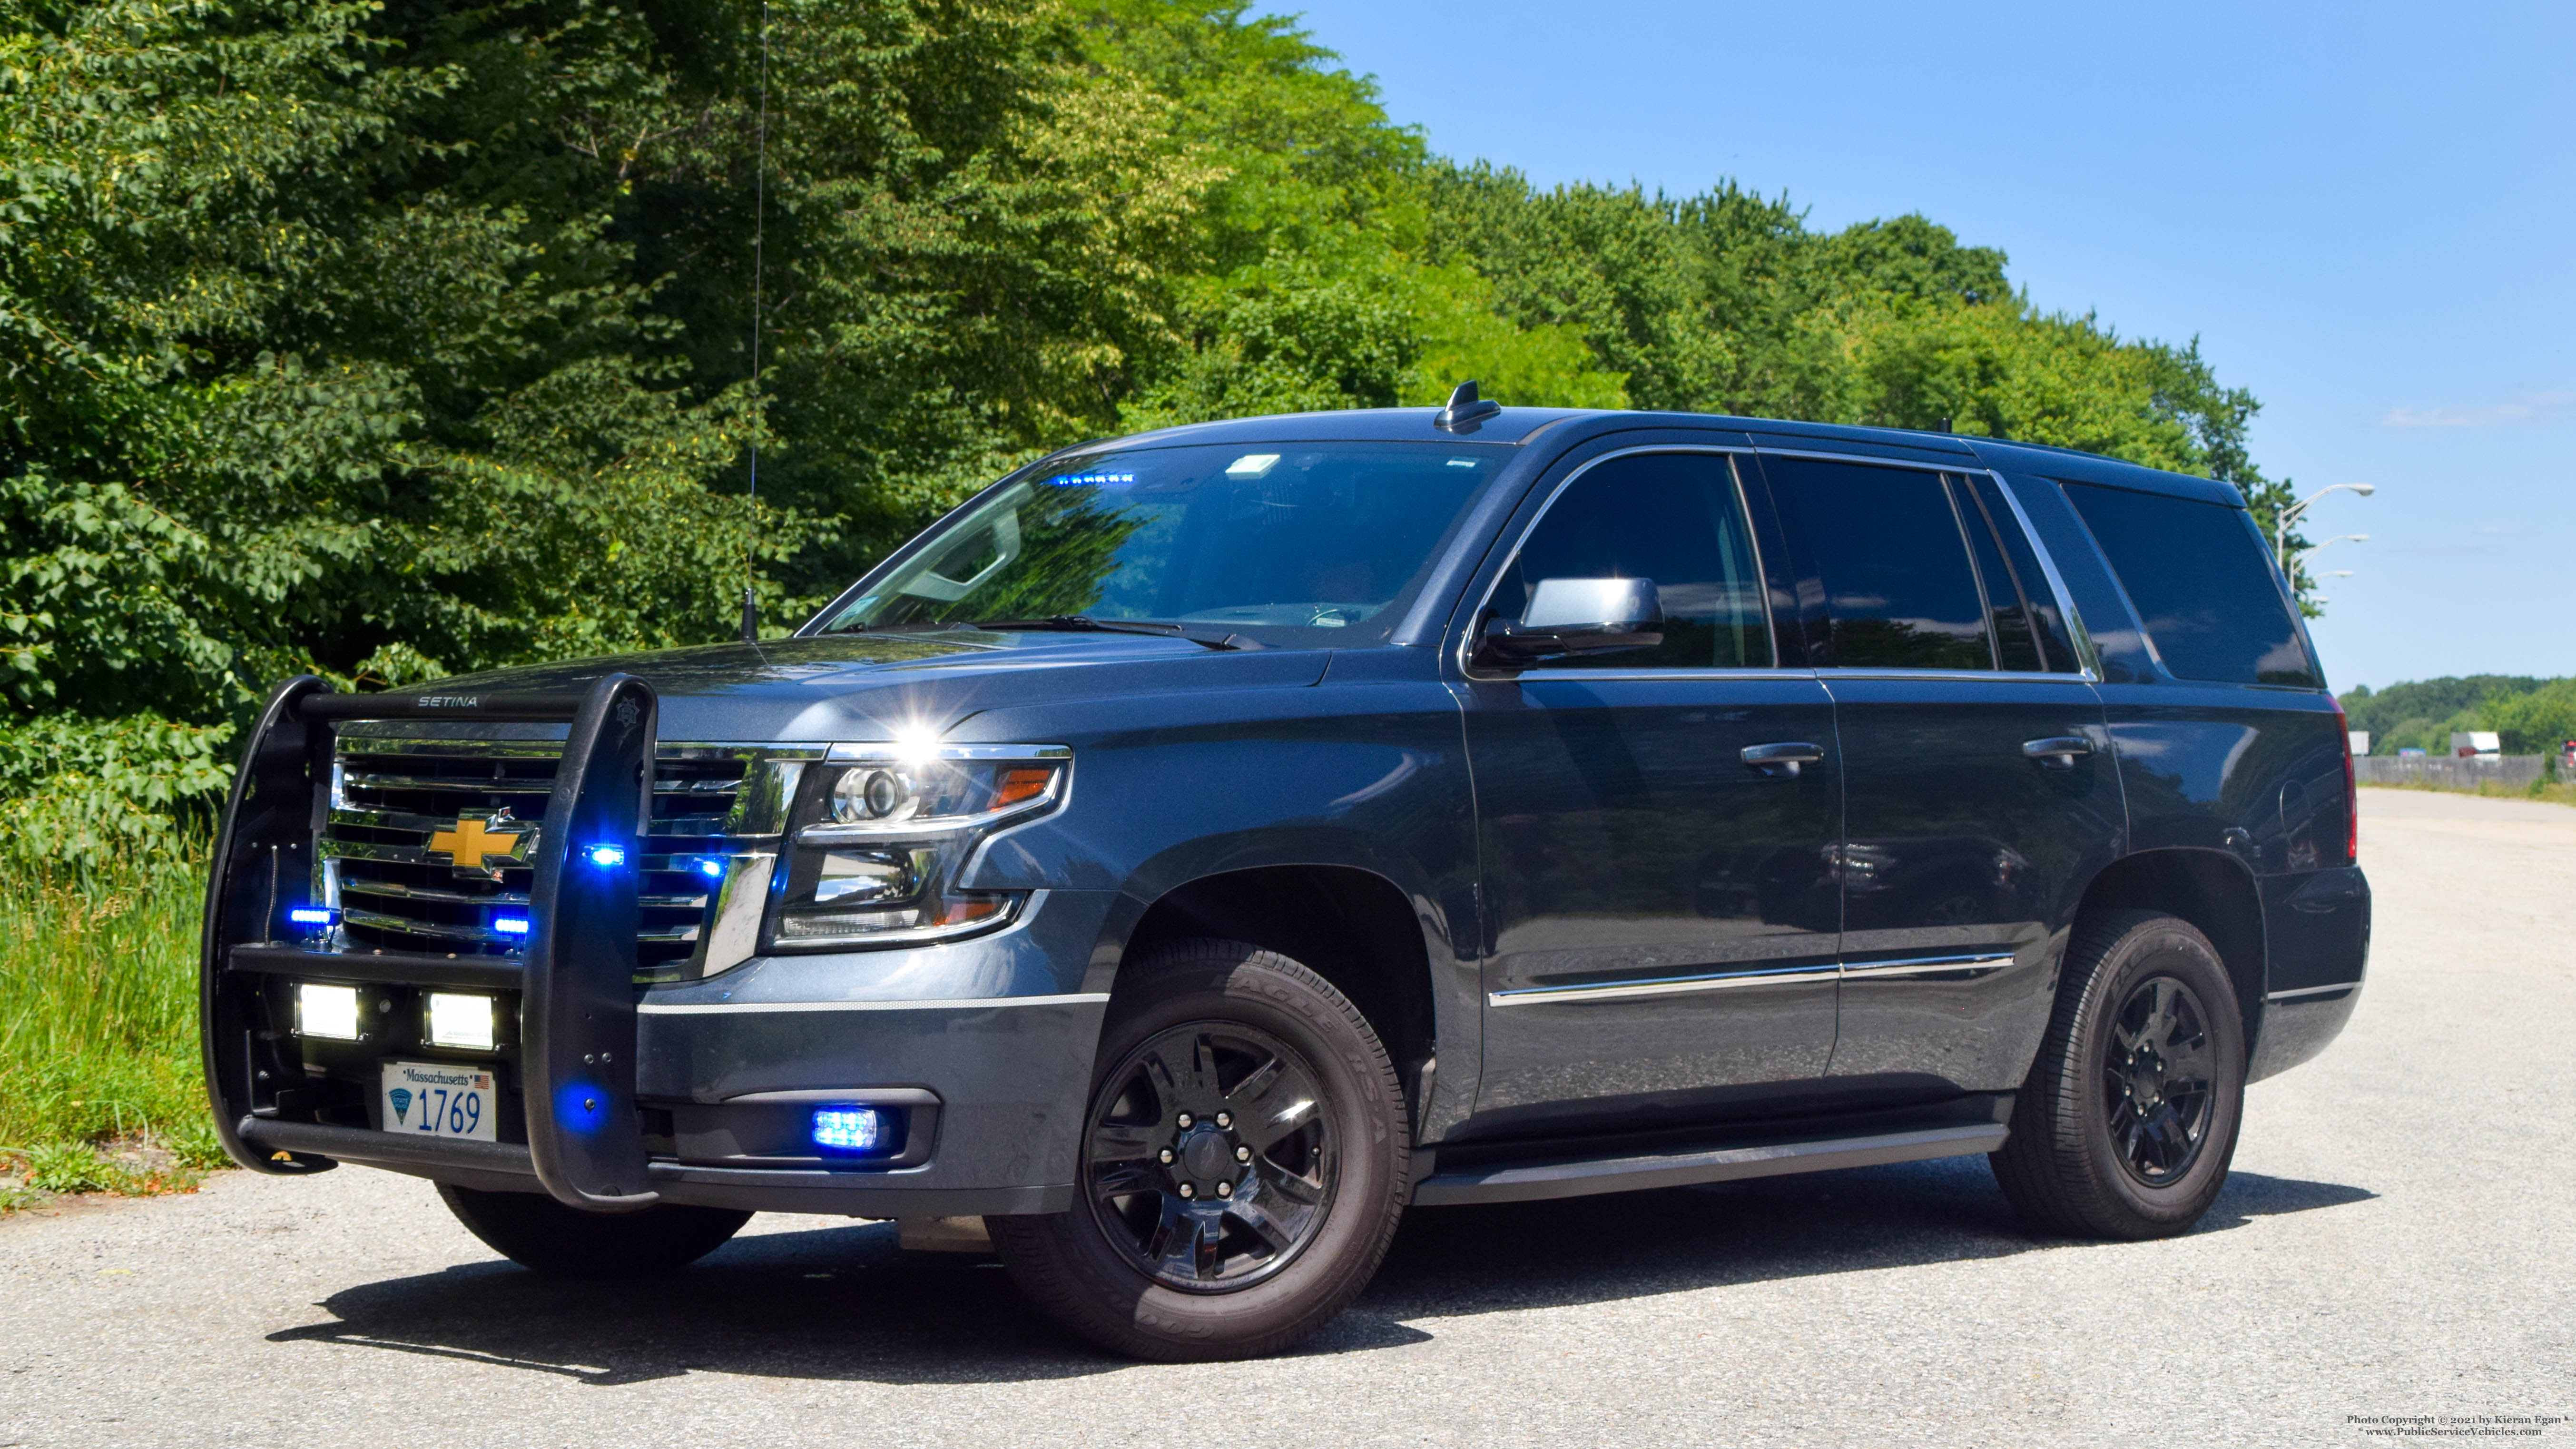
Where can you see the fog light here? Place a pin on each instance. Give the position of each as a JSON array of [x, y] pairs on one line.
[[853, 1131], [460, 1021], [330, 1011]]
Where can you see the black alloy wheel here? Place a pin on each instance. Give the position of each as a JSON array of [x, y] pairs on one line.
[[1240, 1170], [1209, 1164], [2157, 1068], [2128, 1120]]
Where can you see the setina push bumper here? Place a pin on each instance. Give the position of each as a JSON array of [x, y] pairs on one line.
[[546, 1052]]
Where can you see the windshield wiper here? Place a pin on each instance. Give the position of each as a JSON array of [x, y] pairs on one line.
[[1085, 624]]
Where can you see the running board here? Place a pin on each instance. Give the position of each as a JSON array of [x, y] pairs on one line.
[[1531, 1181]]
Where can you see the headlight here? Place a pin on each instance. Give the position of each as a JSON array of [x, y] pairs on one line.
[[879, 834]]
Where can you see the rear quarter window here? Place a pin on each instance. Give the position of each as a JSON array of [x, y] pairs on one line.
[[2202, 584]]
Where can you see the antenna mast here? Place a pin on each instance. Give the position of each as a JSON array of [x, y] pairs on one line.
[[759, 412]]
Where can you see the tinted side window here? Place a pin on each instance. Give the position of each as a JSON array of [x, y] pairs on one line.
[[1676, 518], [2007, 612], [2055, 645], [2203, 588], [1899, 591]]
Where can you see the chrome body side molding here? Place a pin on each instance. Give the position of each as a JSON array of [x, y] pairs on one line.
[[1963, 967], [1663, 986], [2305, 991]]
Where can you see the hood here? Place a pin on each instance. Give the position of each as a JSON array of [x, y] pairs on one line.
[[874, 686]]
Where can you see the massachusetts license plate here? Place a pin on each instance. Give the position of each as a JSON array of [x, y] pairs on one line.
[[437, 1099]]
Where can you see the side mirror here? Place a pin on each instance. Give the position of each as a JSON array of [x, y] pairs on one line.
[[1567, 618]]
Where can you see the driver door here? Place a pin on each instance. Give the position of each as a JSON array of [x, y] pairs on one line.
[[1664, 911]]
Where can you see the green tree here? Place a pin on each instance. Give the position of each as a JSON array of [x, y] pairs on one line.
[[2421, 714], [390, 340], [1726, 303], [396, 339], [2535, 722]]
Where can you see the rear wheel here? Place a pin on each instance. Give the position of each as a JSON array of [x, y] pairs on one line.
[[2128, 1122], [1244, 1161], [535, 1231]]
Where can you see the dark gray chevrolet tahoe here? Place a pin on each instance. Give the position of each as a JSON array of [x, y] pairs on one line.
[[1201, 846]]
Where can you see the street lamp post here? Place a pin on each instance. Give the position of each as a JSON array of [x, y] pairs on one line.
[[2287, 573], [2289, 515]]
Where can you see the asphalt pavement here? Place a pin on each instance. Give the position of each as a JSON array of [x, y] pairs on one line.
[[2396, 1244]]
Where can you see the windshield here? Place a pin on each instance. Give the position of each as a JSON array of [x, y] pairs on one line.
[[1308, 536]]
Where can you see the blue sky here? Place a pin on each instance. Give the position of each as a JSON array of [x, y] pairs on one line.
[[2366, 214]]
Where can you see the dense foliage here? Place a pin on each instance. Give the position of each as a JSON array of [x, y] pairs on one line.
[[2533, 716], [389, 338], [98, 1016]]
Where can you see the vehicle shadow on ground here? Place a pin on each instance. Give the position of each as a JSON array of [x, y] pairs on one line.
[[848, 1303]]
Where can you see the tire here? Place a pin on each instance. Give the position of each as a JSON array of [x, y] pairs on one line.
[[1283, 1186], [2146, 1014], [535, 1231]]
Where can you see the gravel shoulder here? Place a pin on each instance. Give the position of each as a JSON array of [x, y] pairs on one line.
[[2397, 1240]]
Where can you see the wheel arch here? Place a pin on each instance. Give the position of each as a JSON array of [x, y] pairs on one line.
[[2209, 888], [1352, 926]]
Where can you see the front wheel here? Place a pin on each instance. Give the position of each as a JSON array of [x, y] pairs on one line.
[[535, 1231], [2128, 1122], [1244, 1162]]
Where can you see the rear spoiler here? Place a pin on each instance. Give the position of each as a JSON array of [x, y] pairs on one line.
[[576, 978]]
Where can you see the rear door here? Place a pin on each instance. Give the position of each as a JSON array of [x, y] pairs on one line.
[[1663, 913], [1979, 788]]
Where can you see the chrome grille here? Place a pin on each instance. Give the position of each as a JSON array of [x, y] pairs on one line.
[[405, 814]]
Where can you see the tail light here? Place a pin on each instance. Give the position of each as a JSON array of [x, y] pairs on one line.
[[2351, 793]]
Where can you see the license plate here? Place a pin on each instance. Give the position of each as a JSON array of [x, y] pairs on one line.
[[436, 1099]]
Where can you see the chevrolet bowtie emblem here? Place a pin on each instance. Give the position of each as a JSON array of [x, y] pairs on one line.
[[480, 844]]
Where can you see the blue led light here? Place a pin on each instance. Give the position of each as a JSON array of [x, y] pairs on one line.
[[581, 1107], [607, 857], [849, 1129], [311, 915], [711, 869], [511, 925]]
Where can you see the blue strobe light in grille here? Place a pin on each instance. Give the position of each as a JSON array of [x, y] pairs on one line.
[[853, 1131]]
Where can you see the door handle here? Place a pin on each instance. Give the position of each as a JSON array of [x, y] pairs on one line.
[[1781, 761], [2057, 753]]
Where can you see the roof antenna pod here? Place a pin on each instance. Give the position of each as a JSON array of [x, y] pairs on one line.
[[1465, 410]]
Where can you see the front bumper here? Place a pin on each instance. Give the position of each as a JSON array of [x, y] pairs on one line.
[[997, 1028], [990, 1062], [703, 1092]]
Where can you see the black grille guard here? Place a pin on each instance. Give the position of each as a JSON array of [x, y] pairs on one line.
[[575, 979]]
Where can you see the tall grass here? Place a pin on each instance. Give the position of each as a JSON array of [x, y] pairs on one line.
[[98, 1006]]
